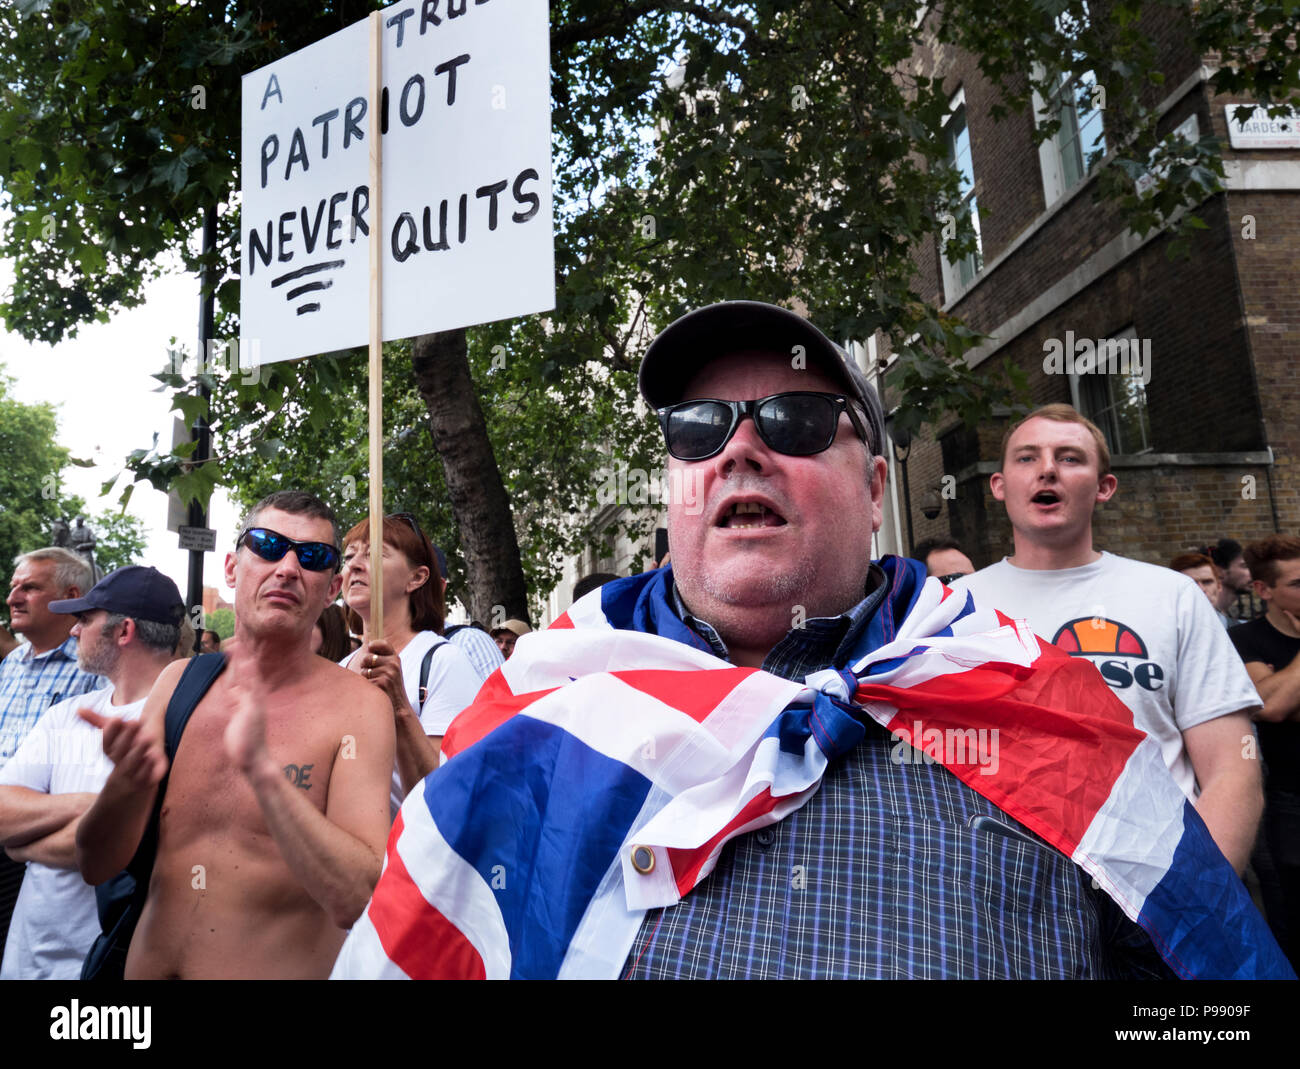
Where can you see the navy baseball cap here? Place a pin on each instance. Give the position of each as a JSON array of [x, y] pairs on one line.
[[441, 558], [132, 590], [686, 345]]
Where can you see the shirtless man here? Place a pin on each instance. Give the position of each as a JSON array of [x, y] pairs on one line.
[[276, 814]]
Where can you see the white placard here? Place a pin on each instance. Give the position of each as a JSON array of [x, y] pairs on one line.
[[203, 539], [1259, 131], [467, 229]]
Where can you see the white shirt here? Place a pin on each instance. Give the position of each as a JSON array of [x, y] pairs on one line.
[[453, 684], [55, 919], [1150, 631]]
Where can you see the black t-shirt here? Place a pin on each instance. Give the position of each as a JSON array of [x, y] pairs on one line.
[[1258, 640]]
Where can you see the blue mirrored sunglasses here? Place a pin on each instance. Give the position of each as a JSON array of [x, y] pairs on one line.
[[271, 545]]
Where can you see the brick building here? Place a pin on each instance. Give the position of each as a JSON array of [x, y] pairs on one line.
[[212, 600], [1208, 444]]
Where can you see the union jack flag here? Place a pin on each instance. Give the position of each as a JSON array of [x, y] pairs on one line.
[[604, 766]]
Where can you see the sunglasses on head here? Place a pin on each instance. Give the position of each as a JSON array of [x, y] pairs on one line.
[[408, 519], [798, 424], [272, 546]]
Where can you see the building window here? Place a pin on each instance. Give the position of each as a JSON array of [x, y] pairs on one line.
[[1112, 392], [957, 276], [1081, 133], [1077, 102]]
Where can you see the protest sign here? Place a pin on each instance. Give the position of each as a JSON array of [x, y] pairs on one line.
[[466, 233]]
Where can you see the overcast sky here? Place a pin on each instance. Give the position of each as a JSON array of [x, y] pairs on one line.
[[101, 387]]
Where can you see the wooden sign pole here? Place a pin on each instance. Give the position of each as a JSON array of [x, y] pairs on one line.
[[376, 333]]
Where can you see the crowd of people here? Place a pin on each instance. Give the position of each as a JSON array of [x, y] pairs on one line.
[[226, 814]]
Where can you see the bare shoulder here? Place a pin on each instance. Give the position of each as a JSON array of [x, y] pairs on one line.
[[350, 705], [168, 678], [155, 706], [362, 717], [347, 687]]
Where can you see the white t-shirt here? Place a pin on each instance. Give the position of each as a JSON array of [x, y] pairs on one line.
[[1150, 631], [453, 684], [55, 919]]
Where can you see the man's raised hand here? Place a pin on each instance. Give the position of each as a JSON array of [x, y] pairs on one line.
[[245, 737], [135, 755]]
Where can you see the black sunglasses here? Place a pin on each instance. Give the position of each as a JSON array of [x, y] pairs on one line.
[[947, 579], [798, 424], [272, 546], [409, 520]]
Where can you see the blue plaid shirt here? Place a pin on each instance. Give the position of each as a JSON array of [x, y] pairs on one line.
[[893, 869], [30, 683], [479, 647]]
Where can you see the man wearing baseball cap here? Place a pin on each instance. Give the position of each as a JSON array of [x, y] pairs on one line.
[[510, 632], [781, 848], [785, 440], [127, 626]]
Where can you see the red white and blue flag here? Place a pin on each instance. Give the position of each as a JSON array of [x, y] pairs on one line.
[[604, 766]]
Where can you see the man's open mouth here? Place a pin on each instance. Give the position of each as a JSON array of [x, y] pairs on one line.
[[1046, 497], [748, 514]]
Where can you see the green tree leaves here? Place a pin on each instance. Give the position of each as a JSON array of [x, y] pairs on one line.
[[790, 152], [31, 494]]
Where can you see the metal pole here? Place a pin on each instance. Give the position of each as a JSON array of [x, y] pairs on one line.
[[199, 432]]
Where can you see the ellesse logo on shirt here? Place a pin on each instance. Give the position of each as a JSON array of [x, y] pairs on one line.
[[1099, 637]]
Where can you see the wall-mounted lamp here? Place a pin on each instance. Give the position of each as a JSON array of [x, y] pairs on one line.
[[931, 503]]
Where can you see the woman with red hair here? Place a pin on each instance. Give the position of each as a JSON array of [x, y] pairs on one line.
[[427, 679]]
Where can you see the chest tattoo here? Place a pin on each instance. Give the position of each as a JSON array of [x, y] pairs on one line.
[[299, 775]]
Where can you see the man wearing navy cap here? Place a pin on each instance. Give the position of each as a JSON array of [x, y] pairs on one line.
[[126, 627], [892, 868], [800, 852]]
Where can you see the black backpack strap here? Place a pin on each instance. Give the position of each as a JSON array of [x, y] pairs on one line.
[[424, 669], [198, 677], [121, 899]]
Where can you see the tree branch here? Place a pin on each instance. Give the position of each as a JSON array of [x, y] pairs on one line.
[[625, 15]]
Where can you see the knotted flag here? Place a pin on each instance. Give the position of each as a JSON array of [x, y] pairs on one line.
[[604, 766]]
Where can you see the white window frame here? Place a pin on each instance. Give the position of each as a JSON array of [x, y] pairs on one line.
[[1103, 418], [953, 285], [1051, 153]]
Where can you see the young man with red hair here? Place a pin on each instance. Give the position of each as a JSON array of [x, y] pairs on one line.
[[1153, 636], [1202, 571]]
